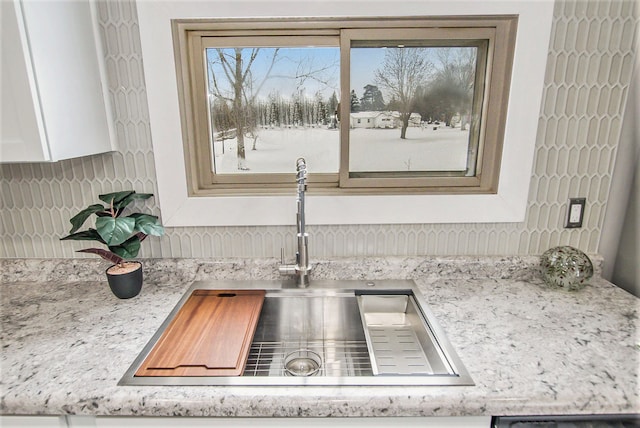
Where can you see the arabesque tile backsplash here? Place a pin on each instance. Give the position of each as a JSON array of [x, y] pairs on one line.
[[589, 68]]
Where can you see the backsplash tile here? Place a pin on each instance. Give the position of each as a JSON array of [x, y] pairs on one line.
[[589, 68]]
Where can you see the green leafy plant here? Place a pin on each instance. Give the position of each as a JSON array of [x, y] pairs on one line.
[[121, 234]]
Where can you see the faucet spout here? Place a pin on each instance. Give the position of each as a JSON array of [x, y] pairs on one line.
[[301, 269]]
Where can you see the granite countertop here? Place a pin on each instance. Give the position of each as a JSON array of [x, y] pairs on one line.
[[66, 342]]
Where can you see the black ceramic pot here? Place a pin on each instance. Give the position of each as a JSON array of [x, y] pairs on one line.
[[125, 285]]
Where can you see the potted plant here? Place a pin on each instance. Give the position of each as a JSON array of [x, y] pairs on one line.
[[121, 234]]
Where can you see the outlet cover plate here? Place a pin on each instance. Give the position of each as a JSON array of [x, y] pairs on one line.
[[575, 213]]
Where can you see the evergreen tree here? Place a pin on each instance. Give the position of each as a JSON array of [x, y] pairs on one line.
[[273, 116], [323, 116], [320, 109], [355, 102], [333, 103], [223, 121], [372, 99], [297, 112]]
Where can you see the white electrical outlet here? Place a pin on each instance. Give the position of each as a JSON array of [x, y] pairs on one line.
[[575, 212]]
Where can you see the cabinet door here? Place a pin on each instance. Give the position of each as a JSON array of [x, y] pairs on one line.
[[22, 130], [53, 93], [33, 421]]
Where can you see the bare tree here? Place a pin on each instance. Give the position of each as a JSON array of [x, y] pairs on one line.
[[401, 74], [233, 79], [238, 75], [456, 77]]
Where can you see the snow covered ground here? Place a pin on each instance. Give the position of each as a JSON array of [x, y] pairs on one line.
[[444, 149]]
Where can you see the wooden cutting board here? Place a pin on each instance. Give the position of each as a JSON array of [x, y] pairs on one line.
[[209, 336]]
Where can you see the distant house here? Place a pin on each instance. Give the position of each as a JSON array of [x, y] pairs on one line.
[[415, 119], [372, 119], [382, 119], [385, 120], [363, 119]]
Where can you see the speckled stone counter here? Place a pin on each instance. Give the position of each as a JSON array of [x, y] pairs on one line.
[[66, 341]]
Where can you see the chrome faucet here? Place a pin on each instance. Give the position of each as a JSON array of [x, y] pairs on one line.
[[301, 268]]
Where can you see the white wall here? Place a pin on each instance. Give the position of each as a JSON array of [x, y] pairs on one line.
[[620, 233]]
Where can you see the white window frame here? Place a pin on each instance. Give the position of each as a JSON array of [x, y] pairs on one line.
[[507, 205]]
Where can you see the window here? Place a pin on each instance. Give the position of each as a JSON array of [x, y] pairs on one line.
[[386, 105]]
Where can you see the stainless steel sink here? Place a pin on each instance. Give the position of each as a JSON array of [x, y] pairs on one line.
[[334, 333], [327, 325]]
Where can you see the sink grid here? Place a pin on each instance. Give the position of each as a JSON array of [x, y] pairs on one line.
[[339, 357]]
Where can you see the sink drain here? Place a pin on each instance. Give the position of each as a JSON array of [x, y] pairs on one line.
[[302, 362]]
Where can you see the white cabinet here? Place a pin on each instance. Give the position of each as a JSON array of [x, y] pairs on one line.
[[384, 422], [54, 96], [33, 421]]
